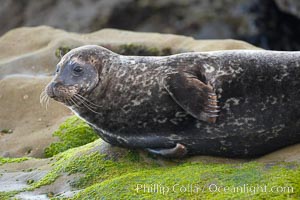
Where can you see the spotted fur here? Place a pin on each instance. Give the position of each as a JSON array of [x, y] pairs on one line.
[[161, 102]]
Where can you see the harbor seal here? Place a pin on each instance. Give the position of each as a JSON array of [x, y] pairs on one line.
[[236, 103]]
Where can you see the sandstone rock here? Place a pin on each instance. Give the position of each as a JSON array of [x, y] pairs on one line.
[[31, 123], [32, 50]]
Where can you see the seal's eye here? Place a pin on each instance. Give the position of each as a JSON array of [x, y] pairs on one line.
[[77, 70], [57, 69]]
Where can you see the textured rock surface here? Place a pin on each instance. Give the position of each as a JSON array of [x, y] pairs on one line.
[[289, 6], [196, 18], [31, 124], [259, 22], [32, 50]]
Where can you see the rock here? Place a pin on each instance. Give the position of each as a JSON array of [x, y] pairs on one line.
[[77, 16], [98, 171], [277, 29], [258, 22], [30, 136], [182, 17], [39, 57], [289, 6]]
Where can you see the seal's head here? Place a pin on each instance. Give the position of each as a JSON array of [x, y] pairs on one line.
[[77, 74]]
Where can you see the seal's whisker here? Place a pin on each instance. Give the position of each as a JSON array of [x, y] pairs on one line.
[[88, 101], [83, 101], [44, 98], [72, 101], [47, 102], [76, 101], [68, 101], [42, 95], [85, 105]]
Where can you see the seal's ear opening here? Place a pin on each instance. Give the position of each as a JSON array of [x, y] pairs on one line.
[[56, 71]]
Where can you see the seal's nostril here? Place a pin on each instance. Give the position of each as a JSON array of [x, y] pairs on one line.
[[50, 89]]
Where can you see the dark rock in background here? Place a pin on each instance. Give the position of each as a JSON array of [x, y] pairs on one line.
[[290, 6], [271, 24], [277, 29]]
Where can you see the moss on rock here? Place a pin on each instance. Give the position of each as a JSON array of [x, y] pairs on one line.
[[132, 176], [93, 165], [72, 133], [201, 181], [12, 160], [142, 50], [102, 176], [124, 49], [61, 51], [8, 195]]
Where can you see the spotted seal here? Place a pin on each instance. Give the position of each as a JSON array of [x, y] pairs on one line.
[[236, 103]]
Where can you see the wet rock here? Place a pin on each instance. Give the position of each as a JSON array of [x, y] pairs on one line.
[[289, 6], [258, 22]]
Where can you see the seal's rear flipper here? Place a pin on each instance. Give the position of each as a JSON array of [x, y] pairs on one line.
[[194, 96], [178, 151]]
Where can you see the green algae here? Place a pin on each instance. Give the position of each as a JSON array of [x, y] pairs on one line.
[[133, 156], [72, 133], [61, 51], [30, 181], [8, 195], [142, 50], [125, 177], [6, 131], [95, 167], [200, 181], [125, 49], [129, 176], [12, 160]]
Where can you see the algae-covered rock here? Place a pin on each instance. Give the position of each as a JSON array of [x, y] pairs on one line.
[[97, 175], [100, 171], [141, 50], [201, 181], [11, 160], [72, 133]]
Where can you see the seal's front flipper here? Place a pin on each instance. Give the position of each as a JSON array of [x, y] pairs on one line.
[[178, 151], [194, 96]]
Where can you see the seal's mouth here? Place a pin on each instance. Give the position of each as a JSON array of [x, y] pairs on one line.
[[69, 95], [72, 96]]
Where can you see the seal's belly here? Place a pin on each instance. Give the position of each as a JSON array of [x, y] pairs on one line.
[[248, 125]]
